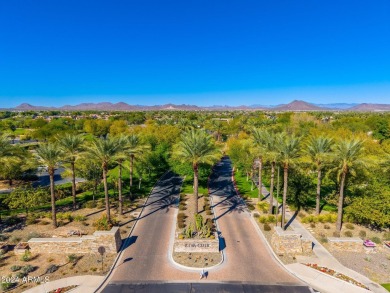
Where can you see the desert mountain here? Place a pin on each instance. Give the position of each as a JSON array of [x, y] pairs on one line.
[[370, 107], [297, 105]]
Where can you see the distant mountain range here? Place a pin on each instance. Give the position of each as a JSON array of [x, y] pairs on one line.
[[295, 105]]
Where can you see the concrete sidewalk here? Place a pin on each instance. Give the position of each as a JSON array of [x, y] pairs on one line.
[[85, 284], [318, 280]]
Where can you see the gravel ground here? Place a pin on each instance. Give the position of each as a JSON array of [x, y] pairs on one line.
[[375, 266], [197, 259]]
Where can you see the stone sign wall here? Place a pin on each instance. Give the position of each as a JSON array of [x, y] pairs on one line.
[[110, 240], [353, 244], [289, 242], [196, 245]]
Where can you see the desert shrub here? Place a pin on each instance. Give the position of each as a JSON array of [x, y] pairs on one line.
[[181, 220], [33, 235], [20, 275], [263, 206], [376, 239], [28, 269], [182, 206], [256, 215], [100, 203], [263, 219], [271, 219], [336, 234], [362, 234], [386, 236], [326, 227], [90, 204], [7, 285], [348, 234], [251, 207], [301, 215], [14, 239], [51, 269], [103, 224], [323, 239], [349, 226], [44, 223], [267, 227], [313, 225], [307, 219], [15, 268], [31, 219], [65, 216], [26, 256], [79, 218], [198, 221], [208, 212], [72, 258], [321, 218]]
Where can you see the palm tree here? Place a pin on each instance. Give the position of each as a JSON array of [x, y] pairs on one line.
[[50, 155], [288, 147], [318, 149], [196, 147], [134, 148], [349, 155], [272, 155], [259, 142], [105, 151], [120, 159], [72, 147]]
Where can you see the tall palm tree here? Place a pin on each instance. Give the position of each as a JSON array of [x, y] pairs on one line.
[[134, 148], [272, 155], [122, 140], [105, 151], [50, 155], [348, 154], [72, 147], [318, 149], [196, 147], [289, 148], [259, 142]]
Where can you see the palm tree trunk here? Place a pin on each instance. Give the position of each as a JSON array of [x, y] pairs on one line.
[[284, 194], [195, 166], [318, 199], [106, 193], [341, 202], [139, 182], [53, 199], [73, 186], [120, 190], [131, 169], [260, 177], [271, 189]]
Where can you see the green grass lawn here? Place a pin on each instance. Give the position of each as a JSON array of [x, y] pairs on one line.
[[386, 286], [187, 187], [244, 186]]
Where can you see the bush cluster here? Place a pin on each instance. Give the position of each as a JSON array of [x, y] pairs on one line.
[[328, 218], [181, 220], [103, 224], [263, 206], [267, 219], [348, 234]]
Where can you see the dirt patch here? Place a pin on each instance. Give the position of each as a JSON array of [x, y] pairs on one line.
[[197, 259]]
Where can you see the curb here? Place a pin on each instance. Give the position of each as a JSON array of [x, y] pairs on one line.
[[108, 275]]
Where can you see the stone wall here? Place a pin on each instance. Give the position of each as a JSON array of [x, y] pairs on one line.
[[289, 242], [110, 240], [345, 244], [196, 245]]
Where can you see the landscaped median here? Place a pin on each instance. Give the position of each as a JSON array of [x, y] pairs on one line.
[[196, 243]]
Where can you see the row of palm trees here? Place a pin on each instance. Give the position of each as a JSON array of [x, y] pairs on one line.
[[70, 149], [281, 148]]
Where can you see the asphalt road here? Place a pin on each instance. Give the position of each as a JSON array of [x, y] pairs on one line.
[[145, 267]]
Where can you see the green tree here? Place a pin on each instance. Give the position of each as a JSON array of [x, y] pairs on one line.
[[318, 149], [27, 198], [72, 147], [105, 151], [50, 155], [196, 147], [289, 149], [348, 155]]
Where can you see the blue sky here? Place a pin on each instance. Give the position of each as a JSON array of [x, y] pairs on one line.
[[195, 52]]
